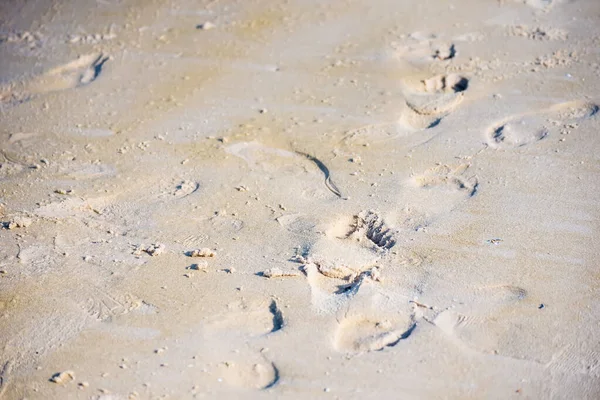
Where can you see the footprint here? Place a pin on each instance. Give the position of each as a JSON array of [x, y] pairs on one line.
[[477, 333], [195, 240], [103, 306], [369, 225], [247, 375], [362, 334], [345, 258], [502, 294], [4, 377], [367, 229], [245, 327], [80, 72], [298, 224], [225, 224], [333, 285], [524, 129], [77, 73], [324, 287], [257, 154], [448, 179], [436, 192], [244, 319], [574, 360], [64, 318], [517, 132], [181, 190], [428, 101], [423, 49], [483, 329]]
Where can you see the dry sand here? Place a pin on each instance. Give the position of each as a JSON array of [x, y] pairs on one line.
[[300, 199]]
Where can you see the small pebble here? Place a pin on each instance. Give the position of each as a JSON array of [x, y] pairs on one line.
[[205, 252], [206, 26]]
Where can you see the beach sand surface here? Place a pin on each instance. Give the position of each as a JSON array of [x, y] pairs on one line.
[[301, 199]]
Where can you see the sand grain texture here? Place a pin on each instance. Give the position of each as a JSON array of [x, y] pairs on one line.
[[301, 199]]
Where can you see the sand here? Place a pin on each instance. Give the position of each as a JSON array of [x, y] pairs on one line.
[[301, 199]]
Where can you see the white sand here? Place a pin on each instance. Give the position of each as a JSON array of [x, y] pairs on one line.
[[451, 252]]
